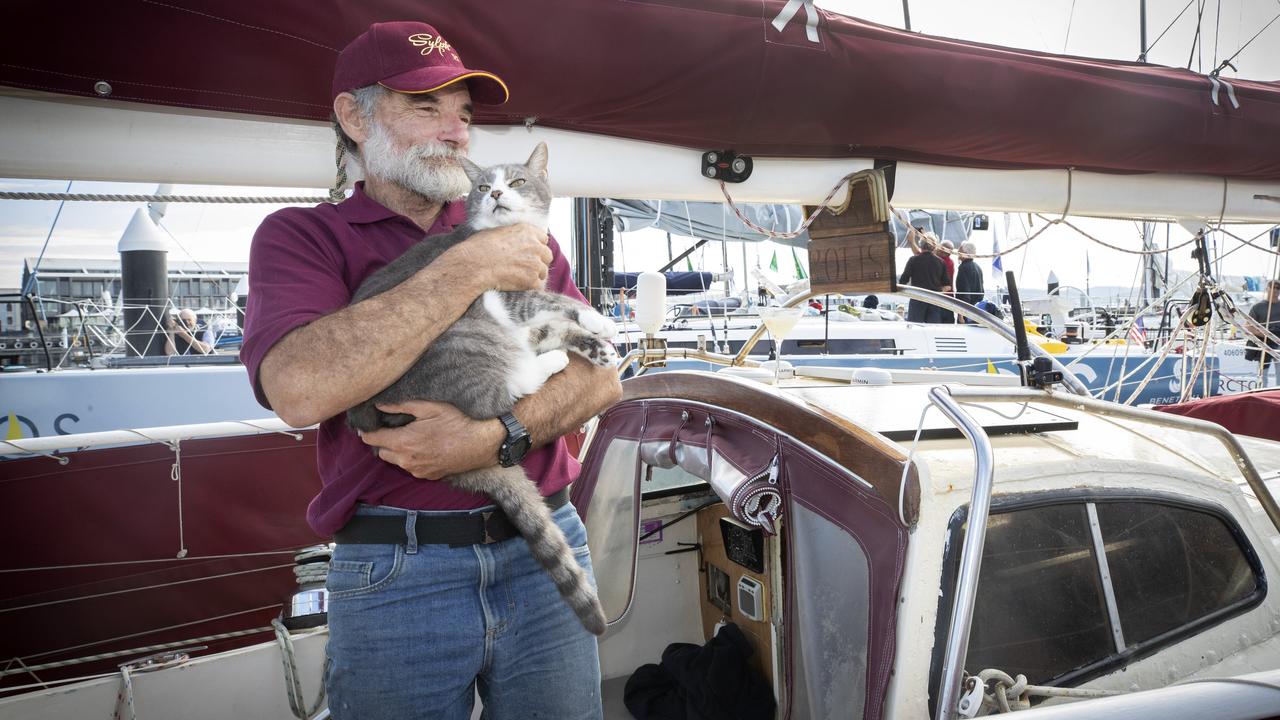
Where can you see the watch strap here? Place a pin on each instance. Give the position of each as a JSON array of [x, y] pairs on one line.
[[512, 424], [512, 450]]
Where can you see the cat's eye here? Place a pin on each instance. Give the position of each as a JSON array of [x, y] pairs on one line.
[[483, 188], [516, 183]]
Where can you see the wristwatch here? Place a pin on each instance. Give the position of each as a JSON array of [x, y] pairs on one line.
[[514, 448]]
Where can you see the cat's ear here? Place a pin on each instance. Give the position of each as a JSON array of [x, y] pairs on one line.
[[537, 163], [472, 170]]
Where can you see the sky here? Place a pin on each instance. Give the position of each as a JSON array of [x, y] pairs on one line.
[[1094, 28]]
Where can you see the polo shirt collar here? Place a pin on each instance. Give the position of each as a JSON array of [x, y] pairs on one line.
[[360, 209]]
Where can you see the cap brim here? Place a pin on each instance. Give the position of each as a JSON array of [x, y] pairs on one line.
[[486, 88]]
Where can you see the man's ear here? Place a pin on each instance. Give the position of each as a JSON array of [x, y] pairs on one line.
[[353, 122], [537, 162], [472, 170]]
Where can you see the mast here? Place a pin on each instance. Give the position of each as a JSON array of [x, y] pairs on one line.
[[1142, 30], [1151, 285]]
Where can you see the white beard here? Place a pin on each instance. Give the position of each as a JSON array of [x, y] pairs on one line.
[[429, 169]]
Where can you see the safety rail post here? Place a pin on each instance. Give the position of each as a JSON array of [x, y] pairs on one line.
[[975, 536]]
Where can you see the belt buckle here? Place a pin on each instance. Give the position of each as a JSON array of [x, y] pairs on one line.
[[488, 539]]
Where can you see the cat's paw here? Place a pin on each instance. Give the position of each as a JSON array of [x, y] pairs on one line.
[[599, 352], [553, 361], [597, 324]]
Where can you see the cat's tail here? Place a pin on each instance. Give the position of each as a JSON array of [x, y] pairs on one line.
[[512, 491]]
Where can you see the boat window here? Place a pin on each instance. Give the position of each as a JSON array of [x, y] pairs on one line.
[[1170, 566], [1040, 609], [611, 526], [659, 481], [1175, 569], [832, 606]]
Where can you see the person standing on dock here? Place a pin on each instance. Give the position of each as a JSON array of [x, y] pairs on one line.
[[1266, 315], [925, 270], [431, 600], [968, 276], [944, 250]]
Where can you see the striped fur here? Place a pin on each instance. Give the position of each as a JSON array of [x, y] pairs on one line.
[[519, 499], [504, 347]]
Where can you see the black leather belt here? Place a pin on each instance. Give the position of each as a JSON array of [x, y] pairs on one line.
[[471, 529]]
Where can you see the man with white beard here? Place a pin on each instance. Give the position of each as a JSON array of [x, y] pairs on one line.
[[430, 598]]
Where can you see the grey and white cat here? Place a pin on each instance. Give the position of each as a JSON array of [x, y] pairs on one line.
[[504, 347]]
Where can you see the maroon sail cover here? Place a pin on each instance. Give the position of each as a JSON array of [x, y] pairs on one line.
[[712, 74], [1256, 413], [117, 550]]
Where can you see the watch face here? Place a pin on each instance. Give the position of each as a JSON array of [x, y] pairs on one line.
[[520, 446], [514, 450]]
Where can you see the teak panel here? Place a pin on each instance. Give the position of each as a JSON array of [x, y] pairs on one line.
[[861, 263], [851, 252], [713, 553]]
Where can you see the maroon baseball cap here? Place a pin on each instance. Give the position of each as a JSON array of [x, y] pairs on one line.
[[410, 57]]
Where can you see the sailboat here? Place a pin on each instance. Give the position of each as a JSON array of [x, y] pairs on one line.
[[883, 560]]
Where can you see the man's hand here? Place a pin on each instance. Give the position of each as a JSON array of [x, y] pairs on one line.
[[514, 257], [441, 442]]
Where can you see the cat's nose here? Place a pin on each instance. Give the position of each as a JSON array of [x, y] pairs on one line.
[[495, 194]]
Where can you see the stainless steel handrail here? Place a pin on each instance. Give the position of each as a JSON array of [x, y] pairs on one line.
[[1104, 408], [984, 318], [975, 536], [642, 355]]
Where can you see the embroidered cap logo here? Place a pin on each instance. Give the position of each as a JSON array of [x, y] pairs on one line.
[[430, 44]]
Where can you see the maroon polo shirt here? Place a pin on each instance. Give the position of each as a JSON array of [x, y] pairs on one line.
[[306, 263]]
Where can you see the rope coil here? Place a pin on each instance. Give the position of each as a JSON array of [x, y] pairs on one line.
[[292, 683]]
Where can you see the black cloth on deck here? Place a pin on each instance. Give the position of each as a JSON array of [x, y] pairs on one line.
[[701, 682]]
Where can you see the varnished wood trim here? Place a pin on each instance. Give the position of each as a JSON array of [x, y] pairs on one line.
[[859, 450]]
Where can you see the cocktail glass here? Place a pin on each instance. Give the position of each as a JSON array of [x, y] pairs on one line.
[[779, 322]]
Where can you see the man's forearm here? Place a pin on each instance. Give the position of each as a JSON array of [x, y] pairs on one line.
[[570, 398], [348, 356]]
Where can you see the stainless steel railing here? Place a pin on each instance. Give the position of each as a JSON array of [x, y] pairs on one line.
[[975, 536]]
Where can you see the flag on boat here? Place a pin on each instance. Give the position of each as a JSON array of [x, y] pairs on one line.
[[800, 273], [1137, 332], [997, 265], [773, 264]]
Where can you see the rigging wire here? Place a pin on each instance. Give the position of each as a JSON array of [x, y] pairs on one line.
[[35, 271], [1143, 57], [202, 578], [1195, 39], [152, 631], [1070, 16], [1217, 25], [1226, 62]]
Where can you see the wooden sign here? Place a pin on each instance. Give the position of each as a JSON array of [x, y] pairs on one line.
[[852, 263], [853, 252]]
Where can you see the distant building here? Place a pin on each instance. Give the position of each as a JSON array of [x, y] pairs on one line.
[[10, 310], [66, 281]]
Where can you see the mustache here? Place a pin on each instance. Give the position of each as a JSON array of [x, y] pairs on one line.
[[435, 151]]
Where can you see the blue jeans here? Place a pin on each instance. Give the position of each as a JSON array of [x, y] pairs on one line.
[[416, 630]]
